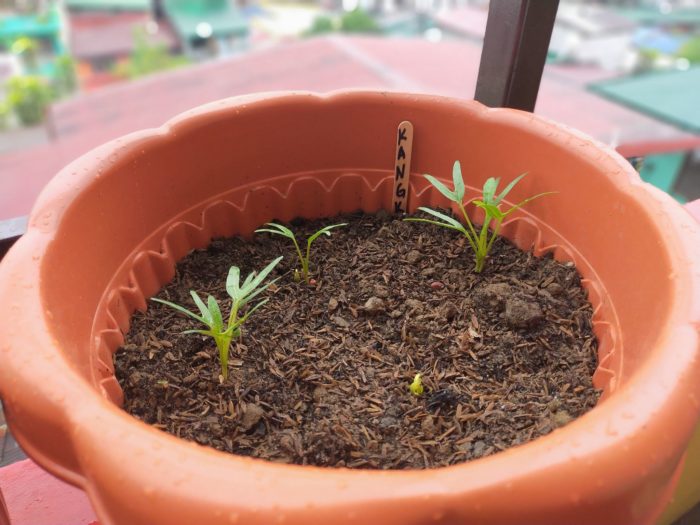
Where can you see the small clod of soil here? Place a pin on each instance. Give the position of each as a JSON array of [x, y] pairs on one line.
[[321, 374]]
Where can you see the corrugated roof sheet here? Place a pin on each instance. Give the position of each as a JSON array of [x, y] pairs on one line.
[[671, 96]]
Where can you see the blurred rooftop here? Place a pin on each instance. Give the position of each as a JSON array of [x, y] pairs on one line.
[[319, 64]]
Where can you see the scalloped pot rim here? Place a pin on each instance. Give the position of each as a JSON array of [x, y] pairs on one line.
[[611, 438]]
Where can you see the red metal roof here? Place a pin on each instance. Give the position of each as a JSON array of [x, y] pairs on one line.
[[321, 64]]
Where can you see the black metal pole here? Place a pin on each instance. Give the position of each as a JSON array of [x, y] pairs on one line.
[[514, 53]]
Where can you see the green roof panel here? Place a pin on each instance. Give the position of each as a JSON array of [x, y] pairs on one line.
[[224, 19], [671, 96], [109, 5], [654, 16], [42, 25]]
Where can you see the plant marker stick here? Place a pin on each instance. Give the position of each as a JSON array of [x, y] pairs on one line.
[[402, 166]]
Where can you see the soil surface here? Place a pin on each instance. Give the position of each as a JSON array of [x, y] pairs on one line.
[[321, 375]]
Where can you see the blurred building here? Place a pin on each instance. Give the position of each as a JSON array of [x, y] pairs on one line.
[[206, 28], [104, 33], [589, 34], [389, 6], [41, 32], [325, 64], [583, 33]]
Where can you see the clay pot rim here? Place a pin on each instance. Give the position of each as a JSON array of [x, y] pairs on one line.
[[669, 376]]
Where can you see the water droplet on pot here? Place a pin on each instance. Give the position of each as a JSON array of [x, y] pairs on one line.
[[611, 430], [233, 517]]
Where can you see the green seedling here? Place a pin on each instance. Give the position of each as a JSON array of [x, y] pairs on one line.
[[490, 202], [416, 387], [210, 312], [278, 229]]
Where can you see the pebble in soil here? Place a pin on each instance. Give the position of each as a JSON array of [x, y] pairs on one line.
[[321, 374]]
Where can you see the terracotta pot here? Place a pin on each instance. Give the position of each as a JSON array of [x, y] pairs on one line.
[[106, 232]]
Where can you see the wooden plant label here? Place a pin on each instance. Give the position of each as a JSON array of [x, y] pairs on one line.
[[402, 166]]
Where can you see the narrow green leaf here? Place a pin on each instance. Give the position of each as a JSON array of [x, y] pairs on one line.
[[458, 181], [524, 202], [257, 292], [281, 228], [202, 307], [215, 312], [491, 210], [507, 189], [490, 189], [249, 279], [247, 285], [254, 280], [436, 223], [180, 309], [233, 281], [259, 278], [441, 187], [201, 332], [446, 218], [277, 229], [324, 231]]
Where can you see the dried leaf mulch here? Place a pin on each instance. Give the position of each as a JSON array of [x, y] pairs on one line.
[[321, 374]]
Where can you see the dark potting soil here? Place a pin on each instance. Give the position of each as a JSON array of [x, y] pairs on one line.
[[322, 373]]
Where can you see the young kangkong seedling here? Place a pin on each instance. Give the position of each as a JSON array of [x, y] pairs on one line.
[[278, 229], [416, 387], [211, 316], [480, 243]]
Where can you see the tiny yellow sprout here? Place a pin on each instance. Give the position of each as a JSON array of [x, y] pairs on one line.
[[416, 387]]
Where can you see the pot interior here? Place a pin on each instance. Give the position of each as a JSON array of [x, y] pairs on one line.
[[227, 168]]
